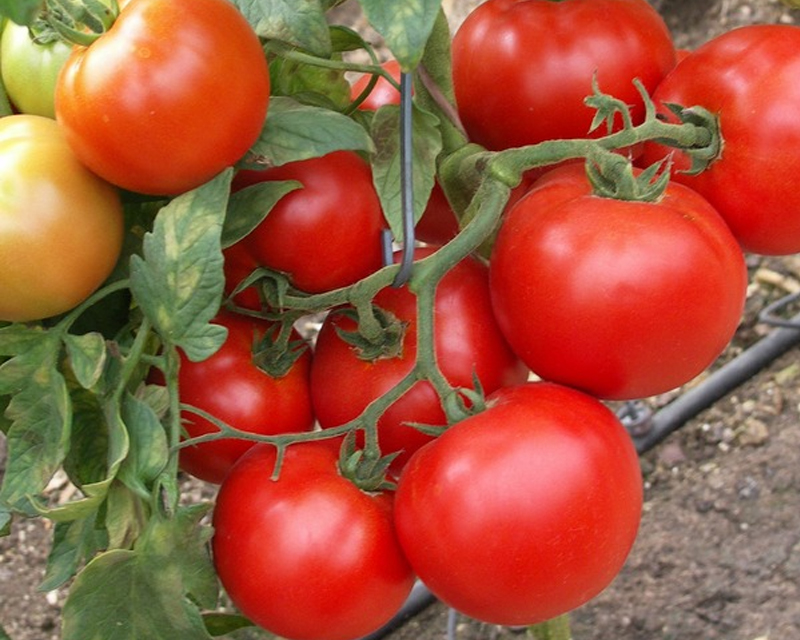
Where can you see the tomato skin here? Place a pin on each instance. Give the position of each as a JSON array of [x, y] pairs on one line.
[[231, 387], [239, 264], [384, 92], [748, 76], [29, 70], [522, 68], [326, 235], [524, 511], [308, 556], [467, 341], [620, 299], [172, 94], [62, 226]]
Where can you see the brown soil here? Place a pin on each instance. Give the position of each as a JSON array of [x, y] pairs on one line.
[[718, 555]]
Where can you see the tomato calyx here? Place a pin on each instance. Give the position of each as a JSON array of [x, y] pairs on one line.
[[80, 22], [612, 176], [379, 334], [365, 469], [278, 350]]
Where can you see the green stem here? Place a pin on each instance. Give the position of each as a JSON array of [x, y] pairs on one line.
[[555, 629]]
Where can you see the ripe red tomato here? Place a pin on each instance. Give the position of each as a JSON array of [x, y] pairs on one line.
[[468, 342], [524, 511], [172, 94], [620, 299], [384, 92], [522, 68], [308, 556], [61, 227], [326, 235], [239, 264], [230, 386], [747, 76]]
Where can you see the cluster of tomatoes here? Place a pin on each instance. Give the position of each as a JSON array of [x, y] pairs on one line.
[[528, 507]]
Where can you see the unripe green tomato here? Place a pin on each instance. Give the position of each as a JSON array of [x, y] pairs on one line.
[[29, 70]]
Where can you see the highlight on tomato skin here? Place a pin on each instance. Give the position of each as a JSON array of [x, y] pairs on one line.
[[525, 511]]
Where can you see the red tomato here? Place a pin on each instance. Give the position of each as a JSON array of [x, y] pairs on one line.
[[326, 235], [522, 68], [524, 511], [384, 92], [620, 299], [308, 556], [468, 343], [230, 386], [239, 264], [172, 94], [747, 76]]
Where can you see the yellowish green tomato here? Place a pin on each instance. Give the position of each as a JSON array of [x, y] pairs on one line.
[[30, 69]]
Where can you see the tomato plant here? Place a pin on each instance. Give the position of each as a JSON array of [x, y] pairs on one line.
[[522, 68], [525, 511], [326, 235], [30, 68], [468, 343], [623, 299], [233, 386], [62, 225], [173, 93], [747, 76], [309, 555]]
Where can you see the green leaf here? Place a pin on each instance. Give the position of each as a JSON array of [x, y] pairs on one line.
[[426, 145], [87, 354], [295, 131], [3, 634], [405, 26], [144, 592], [221, 624], [179, 283], [41, 417], [5, 521], [125, 516], [309, 83], [149, 449], [300, 23], [72, 542], [20, 11], [248, 207]]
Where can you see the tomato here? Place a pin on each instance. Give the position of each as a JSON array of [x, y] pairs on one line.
[[29, 69], [326, 235], [230, 386], [62, 226], [172, 94], [621, 299], [522, 68], [308, 556], [239, 264], [524, 511], [468, 342], [748, 77], [384, 92]]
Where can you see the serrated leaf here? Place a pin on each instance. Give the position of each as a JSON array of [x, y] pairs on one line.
[[295, 131], [300, 23], [221, 624], [72, 543], [405, 26], [179, 283], [87, 354], [149, 449], [17, 338], [41, 417], [142, 593], [386, 165], [248, 207]]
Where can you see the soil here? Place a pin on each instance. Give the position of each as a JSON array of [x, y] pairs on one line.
[[718, 554]]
